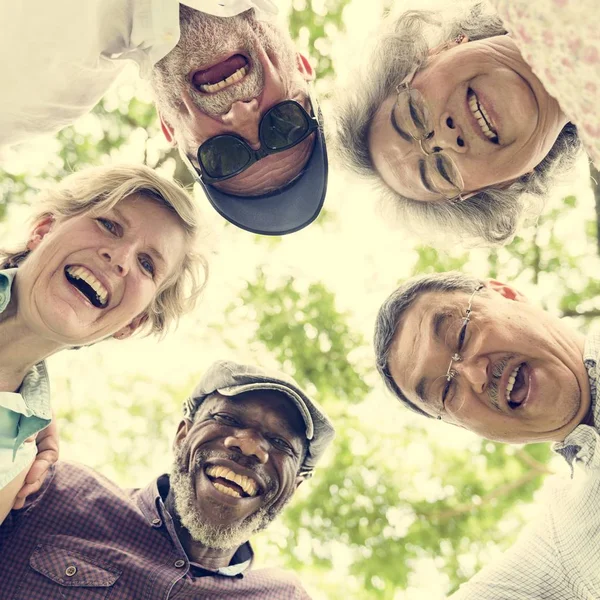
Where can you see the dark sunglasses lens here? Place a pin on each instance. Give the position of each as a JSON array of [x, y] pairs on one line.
[[283, 126], [223, 156]]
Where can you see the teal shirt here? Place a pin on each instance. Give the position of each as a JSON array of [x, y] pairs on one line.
[[28, 410]]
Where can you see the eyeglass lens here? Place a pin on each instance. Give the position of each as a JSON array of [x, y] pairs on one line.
[[281, 127]]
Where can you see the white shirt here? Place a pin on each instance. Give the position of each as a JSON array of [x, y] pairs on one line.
[[558, 558], [59, 57]]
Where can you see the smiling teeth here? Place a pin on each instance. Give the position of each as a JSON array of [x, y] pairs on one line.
[[511, 381], [87, 276], [210, 88], [482, 117], [248, 485]]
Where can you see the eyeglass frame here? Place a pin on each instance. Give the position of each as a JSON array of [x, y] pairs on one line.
[[404, 87], [255, 155], [456, 357]]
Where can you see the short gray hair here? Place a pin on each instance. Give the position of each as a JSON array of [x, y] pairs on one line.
[[491, 216], [395, 307]]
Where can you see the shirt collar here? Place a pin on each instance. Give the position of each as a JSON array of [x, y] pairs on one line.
[[581, 445], [151, 502], [7, 277]]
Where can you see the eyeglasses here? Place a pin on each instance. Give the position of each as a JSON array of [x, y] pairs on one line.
[[283, 126], [411, 115], [460, 345]]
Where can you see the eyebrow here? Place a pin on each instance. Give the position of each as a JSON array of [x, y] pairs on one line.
[[438, 323], [424, 179], [154, 251]]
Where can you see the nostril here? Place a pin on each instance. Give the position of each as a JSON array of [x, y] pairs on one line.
[[460, 141], [450, 122]]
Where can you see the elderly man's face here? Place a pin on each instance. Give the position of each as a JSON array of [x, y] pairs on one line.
[[236, 466], [521, 376], [222, 76], [489, 146]]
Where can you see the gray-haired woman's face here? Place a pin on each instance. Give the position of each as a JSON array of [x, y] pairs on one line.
[[461, 85]]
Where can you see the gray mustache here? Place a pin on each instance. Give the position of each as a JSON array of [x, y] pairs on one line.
[[493, 387]]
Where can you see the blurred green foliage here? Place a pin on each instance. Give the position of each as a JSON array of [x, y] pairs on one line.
[[378, 497]]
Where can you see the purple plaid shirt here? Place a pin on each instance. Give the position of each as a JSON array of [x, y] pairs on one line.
[[82, 537]]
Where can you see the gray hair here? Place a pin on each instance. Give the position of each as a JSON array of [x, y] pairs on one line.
[[395, 307], [492, 215]]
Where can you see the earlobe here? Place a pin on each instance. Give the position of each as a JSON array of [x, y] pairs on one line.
[[39, 231], [304, 67], [505, 290], [131, 328], [461, 38], [167, 130]]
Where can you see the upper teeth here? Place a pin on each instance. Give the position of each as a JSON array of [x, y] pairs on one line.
[[88, 277], [233, 78], [482, 117], [511, 381], [248, 485]]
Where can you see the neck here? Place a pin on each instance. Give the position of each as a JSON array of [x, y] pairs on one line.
[[21, 347], [209, 558]]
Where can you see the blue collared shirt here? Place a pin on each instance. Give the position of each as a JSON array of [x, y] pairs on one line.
[[24, 412]]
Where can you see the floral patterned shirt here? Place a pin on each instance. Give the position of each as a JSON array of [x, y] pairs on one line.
[[559, 39]]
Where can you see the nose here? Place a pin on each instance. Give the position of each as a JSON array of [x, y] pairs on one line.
[[250, 444], [475, 370], [243, 118], [119, 258], [447, 136]]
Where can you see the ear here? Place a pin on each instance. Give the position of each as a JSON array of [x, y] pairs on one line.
[[167, 130], [505, 290], [304, 67], [457, 41], [182, 430], [39, 231], [131, 328]]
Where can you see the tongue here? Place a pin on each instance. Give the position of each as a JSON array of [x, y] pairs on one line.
[[221, 71]]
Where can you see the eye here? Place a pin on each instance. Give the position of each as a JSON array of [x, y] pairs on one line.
[[109, 225], [282, 444], [147, 264], [447, 388], [462, 335], [225, 419]]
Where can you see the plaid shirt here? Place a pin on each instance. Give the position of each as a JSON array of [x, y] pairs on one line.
[[83, 538], [558, 557]]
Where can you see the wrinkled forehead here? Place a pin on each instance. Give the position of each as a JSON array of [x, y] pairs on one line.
[[269, 405], [415, 330], [396, 159]]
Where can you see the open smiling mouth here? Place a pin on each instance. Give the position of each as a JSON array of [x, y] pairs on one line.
[[84, 280], [517, 387], [220, 76], [481, 116], [227, 482]]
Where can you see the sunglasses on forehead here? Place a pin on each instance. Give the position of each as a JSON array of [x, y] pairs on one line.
[[283, 126]]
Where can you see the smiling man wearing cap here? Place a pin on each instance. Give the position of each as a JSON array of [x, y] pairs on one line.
[[231, 91], [249, 437]]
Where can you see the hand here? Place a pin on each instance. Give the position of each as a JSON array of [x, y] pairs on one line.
[[47, 455]]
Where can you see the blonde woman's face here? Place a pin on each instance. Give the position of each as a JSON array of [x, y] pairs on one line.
[[93, 276]]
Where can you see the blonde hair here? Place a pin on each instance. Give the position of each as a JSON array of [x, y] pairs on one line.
[[97, 190]]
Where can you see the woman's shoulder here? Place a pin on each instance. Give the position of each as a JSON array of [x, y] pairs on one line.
[[559, 40]]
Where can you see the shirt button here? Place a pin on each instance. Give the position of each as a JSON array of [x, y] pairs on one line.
[[179, 563], [156, 522], [71, 571]]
